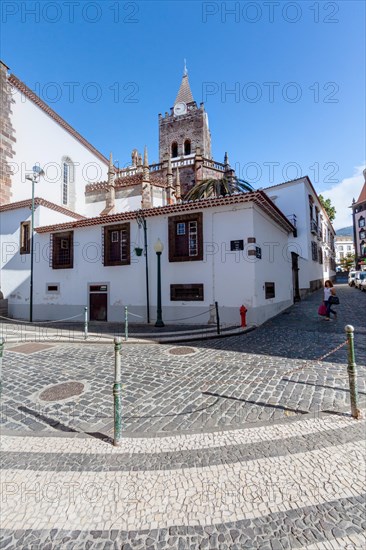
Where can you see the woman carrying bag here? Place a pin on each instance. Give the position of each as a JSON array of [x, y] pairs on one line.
[[330, 299]]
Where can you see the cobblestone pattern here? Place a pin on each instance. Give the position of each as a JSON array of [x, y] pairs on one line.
[[279, 531], [292, 481], [211, 390], [180, 459]]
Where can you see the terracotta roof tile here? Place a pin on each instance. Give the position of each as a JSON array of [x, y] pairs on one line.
[[362, 197], [257, 197], [27, 203]]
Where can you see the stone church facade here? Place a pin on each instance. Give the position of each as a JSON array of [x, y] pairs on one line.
[[185, 158]]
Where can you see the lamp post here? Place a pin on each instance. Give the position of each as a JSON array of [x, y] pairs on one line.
[[159, 247], [142, 223], [34, 178]]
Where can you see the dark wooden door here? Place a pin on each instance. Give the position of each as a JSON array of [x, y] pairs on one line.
[[295, 276], [98, 306]]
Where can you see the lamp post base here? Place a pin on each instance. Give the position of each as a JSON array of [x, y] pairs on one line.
[[159, 323]]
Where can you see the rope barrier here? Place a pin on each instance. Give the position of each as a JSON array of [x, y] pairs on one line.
[[135, 315], [16, 321], [184, 318]]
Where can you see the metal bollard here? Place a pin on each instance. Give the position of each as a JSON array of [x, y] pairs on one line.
[[352, 373], [217, 318], [2, 343], [117, 392], [126, 323], [85, 323]]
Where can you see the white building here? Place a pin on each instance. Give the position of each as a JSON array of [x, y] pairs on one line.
[[314, 248], [344, 247], [231, 250], [16, 245]]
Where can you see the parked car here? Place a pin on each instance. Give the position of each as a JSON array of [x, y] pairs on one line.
[[360, 276], [351, 278], [363, 285]]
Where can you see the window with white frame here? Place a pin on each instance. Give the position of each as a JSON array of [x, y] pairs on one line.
[[67, 178]]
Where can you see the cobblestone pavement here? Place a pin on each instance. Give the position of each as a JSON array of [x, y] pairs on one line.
[[239, 443]]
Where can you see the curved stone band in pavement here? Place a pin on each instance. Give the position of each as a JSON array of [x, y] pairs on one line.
[[229, 448]]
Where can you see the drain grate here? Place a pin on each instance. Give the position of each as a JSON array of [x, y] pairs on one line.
[[182, 351], [62, 391]]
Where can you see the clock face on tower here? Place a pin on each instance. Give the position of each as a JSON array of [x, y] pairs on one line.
[[180, 108]]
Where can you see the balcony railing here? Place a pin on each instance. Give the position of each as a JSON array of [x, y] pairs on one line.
[[314, 227], [293, 219]]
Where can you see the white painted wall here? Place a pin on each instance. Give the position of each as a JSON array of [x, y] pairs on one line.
[[15, 267], [229, 278], [40, 139], [293, 198]]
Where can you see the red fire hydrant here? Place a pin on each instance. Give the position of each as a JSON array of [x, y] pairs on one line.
[[243, 315]]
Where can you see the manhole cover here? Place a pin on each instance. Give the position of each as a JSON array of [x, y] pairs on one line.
[[182, 351], [30, 348], [62, 391]]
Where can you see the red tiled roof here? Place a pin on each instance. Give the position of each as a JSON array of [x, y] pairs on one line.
[[362, 197], [257, 197], [27, 203], [50, 112]]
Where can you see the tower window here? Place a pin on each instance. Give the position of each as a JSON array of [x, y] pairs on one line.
[[187, 147], [174, 149]]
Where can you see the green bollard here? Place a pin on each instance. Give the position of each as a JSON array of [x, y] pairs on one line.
[[117, 392], [352, 374], [2, 343], [126, 324], [85, 323]]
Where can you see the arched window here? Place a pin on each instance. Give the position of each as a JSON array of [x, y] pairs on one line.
[[187, 147], [174, 149], [67, 178]]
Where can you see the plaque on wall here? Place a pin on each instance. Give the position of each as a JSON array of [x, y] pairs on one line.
[[237, 245]]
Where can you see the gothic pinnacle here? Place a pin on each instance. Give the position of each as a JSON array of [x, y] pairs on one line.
[[146, 162]]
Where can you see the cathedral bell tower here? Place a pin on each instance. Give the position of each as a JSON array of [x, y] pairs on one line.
[[185, 128]]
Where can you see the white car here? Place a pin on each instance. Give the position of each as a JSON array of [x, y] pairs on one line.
[[351, 278], [363, 285], [360, 276]]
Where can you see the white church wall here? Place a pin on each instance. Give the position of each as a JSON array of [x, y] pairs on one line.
[[41, 140]]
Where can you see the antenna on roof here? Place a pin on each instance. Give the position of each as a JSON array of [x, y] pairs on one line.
[[185, 71]]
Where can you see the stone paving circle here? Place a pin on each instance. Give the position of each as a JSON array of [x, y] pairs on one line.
[[183, 350], [62, 391]]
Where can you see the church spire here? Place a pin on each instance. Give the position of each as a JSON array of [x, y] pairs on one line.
[[184, 93]]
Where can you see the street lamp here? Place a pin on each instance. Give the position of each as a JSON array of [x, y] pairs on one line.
[[159, 247], [34, 178], [142, 223]]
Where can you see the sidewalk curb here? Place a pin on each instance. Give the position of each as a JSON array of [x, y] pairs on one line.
[[154, 340]]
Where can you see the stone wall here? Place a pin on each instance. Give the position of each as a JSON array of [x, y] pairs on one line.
[[192, 126], [7, 136]]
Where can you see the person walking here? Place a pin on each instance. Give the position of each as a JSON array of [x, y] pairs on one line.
[[329, 291]]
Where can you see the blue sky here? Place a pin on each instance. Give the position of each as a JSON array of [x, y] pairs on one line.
[[296, 71]]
